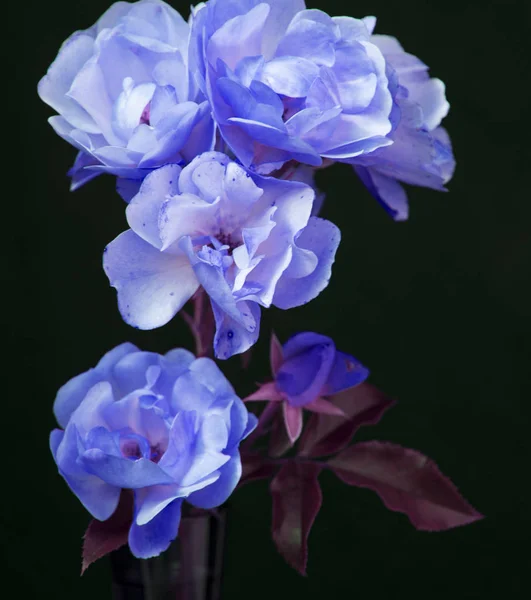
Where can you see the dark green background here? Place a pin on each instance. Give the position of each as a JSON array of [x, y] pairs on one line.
[[438, 308]]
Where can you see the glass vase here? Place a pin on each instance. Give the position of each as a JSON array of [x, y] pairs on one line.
[[191, 568]]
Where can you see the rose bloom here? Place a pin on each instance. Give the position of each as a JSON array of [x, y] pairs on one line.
[[247, 240], [287, 83], [125, 96], [167, 427]]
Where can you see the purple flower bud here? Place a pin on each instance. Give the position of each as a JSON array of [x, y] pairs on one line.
[[312, 367], [306, 370]]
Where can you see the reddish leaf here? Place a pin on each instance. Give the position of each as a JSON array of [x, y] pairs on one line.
[[279, 442], [327, 434], [271, 408], [325, 407], [407, 482], [245, 358], [103, 537], [275, 354], [254, 468], [296, 502]]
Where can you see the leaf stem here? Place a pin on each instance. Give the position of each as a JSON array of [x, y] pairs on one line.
[[263, 421], [201, 324], [296, 460]]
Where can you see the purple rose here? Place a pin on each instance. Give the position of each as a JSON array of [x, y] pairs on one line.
[[248, 240], [306, 370], [288, 83], [167, 427], [421, 152], [125, 96]]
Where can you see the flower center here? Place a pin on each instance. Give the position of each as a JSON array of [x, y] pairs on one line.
[[291, 107], [226, 239], [131, 449], [135, 447], [155, 453], [145, 116]]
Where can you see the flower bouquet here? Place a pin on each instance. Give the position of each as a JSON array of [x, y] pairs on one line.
[[214, 129]]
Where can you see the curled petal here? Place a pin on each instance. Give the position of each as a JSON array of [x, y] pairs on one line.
[[218, 492], [154, 537], [145, 206], [53, 87], [232, 337], [97, 496], [322, 238], [387, 191], [238, 37], [123, 472], [79, 173], [152, 286]]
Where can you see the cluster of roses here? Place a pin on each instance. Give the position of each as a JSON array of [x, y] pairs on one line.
[[214, 129]]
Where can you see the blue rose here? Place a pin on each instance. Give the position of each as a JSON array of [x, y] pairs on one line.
[[167, 427], [421, 152], [124, 94], [288, 83], [248, 240]]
